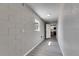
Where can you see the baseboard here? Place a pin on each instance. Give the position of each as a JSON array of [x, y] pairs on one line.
[[33, 48]]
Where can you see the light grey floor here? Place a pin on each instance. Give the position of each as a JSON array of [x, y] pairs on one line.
[[49, 47]]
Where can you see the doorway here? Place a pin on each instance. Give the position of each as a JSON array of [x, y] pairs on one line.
[[51, 30]]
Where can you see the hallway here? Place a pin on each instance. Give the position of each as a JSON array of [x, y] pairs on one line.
[[48, 47]]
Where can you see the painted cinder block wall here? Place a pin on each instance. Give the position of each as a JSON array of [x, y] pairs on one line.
[[68, 29], [17, 35]]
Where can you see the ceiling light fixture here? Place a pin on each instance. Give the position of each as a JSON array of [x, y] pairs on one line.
[[48, 15]]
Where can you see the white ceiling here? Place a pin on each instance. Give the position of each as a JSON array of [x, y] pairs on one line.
[[47, 11]]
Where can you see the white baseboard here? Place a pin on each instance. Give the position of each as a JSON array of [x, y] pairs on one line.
[[33, 48]]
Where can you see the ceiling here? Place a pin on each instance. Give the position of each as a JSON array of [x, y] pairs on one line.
[[47, 11]]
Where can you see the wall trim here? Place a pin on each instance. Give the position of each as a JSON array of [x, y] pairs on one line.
[[33, 47]]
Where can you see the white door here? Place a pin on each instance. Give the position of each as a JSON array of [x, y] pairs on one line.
[[48, 33]]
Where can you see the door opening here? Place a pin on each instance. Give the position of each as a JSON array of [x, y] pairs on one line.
[[51, 30]]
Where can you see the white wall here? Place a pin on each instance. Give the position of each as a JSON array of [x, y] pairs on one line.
[[68, 29], [17, 35]]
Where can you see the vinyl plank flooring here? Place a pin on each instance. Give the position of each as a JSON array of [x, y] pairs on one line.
[[49, 47]]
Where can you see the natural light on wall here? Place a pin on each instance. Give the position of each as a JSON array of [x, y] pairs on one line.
[[37, 25]]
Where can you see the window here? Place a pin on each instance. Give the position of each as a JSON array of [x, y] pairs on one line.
[[37, 25]]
